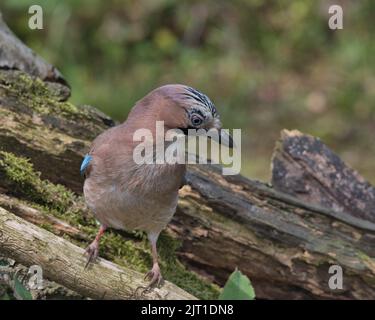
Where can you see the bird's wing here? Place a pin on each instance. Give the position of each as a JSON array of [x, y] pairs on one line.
[[85, 163], [105, 147]]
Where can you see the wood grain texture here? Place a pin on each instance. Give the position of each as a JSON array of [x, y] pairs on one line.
[[284, 245], [304, 167]]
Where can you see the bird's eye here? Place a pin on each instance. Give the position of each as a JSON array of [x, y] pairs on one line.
[[196, 121]]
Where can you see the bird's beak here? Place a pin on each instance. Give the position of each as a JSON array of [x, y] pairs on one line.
[[223, 138]]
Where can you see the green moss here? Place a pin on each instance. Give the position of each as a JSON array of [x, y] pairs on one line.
[[37, 95], [129, 249], [19, 176], [126, 250], [175, 271]]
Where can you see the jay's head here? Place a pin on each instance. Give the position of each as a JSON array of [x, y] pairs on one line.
[[182, 107]]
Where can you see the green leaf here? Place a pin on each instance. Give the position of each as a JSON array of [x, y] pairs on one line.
[[20, 290], [238, 287]]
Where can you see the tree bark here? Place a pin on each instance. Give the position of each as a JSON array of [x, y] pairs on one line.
[[285, 240], [306, 169]]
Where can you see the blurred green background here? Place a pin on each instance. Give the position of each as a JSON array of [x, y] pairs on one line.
[[267, 65]]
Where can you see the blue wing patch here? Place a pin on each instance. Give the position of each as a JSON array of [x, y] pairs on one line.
[[86, 161]]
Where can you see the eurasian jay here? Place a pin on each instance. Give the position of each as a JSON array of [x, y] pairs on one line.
[[125, 195]]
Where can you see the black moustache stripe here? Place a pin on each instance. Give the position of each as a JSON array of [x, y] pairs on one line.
[[185, 130]]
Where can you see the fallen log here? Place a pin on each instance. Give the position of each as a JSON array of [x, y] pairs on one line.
[[63, 262], [284, 242]]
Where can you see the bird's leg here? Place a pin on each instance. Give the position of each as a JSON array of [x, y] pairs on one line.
[[154, 274], [93, 249]]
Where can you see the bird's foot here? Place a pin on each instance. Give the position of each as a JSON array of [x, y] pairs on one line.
[[154, 275], [92, 252]]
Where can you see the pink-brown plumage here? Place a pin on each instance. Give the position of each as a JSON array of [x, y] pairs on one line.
[[125, 195]]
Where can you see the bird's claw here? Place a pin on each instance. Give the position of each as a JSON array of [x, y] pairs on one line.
[[154, 275], [92, 253]]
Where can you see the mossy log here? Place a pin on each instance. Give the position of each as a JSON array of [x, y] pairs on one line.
[[64, 263], [283, 243]]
